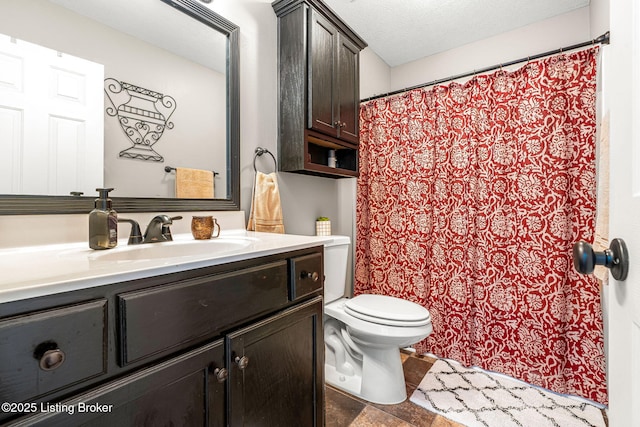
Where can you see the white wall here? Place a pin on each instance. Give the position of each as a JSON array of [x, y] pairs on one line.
[[599, 17], [375, 74]]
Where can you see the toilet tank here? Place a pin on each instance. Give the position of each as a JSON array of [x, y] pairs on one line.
[[336, 256]]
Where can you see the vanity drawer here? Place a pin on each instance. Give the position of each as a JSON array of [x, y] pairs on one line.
[[48, 350], [187, 312], [307, 275]]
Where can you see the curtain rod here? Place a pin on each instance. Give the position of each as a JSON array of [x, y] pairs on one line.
[[603, 39]]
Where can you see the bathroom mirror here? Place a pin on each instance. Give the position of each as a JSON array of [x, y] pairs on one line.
[[183, 28]]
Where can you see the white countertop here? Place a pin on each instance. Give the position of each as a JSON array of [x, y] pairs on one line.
[[34, 271]]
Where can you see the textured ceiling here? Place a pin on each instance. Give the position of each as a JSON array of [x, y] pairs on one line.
[[401, 31]]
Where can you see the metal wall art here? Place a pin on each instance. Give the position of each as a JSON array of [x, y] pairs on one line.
[[143, 115]]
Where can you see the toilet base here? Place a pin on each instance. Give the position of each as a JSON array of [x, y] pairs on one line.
[[383, 377], [349, 383]]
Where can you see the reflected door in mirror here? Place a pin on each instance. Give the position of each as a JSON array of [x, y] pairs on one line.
[[50, 121]]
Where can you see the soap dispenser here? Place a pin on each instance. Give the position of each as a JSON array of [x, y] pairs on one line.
[[103, 222]]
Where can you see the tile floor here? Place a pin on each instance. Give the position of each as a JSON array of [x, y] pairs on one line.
[[344, 410]]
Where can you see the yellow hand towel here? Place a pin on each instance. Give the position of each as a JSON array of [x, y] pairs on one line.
[[194, 184], [266, 211]]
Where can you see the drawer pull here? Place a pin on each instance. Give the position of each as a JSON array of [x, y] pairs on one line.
[[221, 374], [52, 359], [308, 275], [242, 362]]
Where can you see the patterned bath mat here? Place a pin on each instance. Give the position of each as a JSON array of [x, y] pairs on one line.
[[475, 397]]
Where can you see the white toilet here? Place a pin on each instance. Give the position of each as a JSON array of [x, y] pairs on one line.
[[363, 335]]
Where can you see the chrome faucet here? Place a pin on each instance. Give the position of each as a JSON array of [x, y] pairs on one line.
[[158, 229]]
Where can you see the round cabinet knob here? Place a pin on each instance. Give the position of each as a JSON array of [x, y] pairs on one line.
[[52, 359], [221, 374], [308, 275], [242, 362]]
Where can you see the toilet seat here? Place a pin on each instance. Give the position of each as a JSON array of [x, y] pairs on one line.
[[387, 310]]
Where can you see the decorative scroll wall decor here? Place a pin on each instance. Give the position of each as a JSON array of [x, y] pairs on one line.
[[143, 115]]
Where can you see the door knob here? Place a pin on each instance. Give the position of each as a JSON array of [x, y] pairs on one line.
[[615, 258]]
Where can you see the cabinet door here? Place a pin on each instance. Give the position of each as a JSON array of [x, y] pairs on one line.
[[276, 370], [323, 39], [348, 92], [181, 391]]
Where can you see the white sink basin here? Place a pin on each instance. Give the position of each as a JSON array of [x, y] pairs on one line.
[[175, 249]]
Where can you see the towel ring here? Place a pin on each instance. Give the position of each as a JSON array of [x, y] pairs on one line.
[[259, 152]]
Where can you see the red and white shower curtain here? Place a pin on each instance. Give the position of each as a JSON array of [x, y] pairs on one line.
[[470, 198]]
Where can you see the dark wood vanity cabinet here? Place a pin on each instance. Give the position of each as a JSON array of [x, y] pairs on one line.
[[318, 59], [237, 344]]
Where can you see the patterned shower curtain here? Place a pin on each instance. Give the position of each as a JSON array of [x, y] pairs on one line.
[[470, 198]]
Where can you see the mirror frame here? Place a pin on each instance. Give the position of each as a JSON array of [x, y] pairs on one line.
[[37, 205]]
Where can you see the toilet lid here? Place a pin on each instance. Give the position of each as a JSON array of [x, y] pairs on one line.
[[386, 310]]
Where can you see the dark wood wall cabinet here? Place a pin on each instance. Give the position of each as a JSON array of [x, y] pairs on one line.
[[235, 344], [318, 60]]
